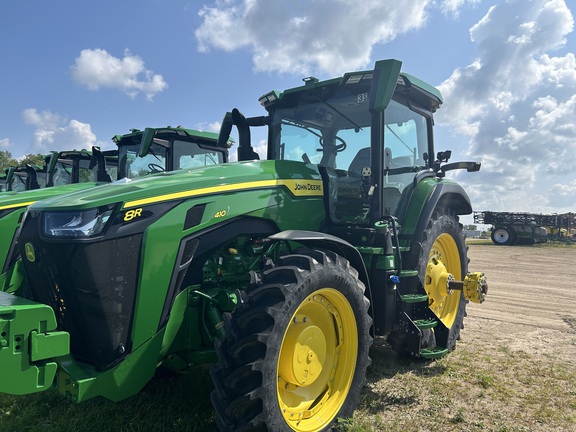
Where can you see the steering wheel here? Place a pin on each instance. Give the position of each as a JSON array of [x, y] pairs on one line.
[[154, 168]]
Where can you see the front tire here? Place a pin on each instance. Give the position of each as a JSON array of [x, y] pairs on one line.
[[443, 247], [296, 350]]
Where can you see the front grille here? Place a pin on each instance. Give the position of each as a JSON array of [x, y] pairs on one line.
[[91, 287]]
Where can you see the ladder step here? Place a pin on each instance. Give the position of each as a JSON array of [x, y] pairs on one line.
[[424, 324], [433, 353], [408, 273], [414, 298]]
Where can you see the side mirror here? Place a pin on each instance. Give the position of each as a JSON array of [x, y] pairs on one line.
[[146, 142], [225, 130]]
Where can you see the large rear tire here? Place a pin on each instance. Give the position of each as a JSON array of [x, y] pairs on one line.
[[503, 236], [443, 249], [296, 350]]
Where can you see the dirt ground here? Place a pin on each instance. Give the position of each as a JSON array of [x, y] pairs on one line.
[[531, 304], [514, 368]]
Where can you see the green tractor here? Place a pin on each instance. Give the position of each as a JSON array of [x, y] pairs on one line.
[[279, 272], [59, 168], [60, 173], [165, 149], [25, 177]]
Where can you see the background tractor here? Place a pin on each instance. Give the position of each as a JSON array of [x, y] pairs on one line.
[[280, 272], [139, 153]]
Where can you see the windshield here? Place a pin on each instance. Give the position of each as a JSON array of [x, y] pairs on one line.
[[338, 136], [186, 155], [62, 173], [328, 132], [19, 182], [136, 166], [191, 155]]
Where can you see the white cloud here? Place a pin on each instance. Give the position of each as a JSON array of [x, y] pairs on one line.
[[309, 36], [208, 127], [452, 7], [516, 103], [329, 36], [54, 132], [5, 143], [97, 68], [560, 194]]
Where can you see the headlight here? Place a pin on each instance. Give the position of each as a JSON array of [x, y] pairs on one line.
[[76, 224]]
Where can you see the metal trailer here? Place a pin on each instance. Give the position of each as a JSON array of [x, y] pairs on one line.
[[510, 228]]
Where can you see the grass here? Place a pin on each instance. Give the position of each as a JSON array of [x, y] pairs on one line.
[[475, 388], [171, 404]]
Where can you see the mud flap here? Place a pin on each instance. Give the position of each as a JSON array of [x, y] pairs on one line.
[[28, 345]]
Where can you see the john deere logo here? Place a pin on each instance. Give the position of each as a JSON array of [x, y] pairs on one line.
[[30, 255]]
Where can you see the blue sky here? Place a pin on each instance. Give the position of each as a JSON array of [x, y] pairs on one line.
[[75, 73]]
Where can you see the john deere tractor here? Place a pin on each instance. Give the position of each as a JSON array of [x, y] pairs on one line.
[[280, 272], [25, 177], [163, 149]]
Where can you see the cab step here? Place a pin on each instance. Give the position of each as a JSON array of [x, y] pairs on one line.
[[424, 324], [408, 273], [414, 298], [433, 353]]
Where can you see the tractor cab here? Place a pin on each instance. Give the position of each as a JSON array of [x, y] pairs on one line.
[[159, 150], [370, 135], [81, 166], [25, 177], [62, 168]]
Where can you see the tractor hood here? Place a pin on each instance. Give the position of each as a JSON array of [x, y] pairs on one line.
[[300, 178], [14, 200]]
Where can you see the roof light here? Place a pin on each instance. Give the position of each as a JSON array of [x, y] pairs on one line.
[[356, 78], [310, 80], [267, 98]]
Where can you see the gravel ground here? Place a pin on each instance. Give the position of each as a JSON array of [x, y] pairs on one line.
[[531, 304], [529, 285]]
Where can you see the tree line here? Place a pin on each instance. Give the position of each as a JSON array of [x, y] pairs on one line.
[[6, 160]]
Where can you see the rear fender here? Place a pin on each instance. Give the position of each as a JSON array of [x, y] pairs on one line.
[[426, 197], [441, 195], [28, 345]]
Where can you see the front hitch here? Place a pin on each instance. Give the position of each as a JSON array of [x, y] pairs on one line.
[[28, 345]]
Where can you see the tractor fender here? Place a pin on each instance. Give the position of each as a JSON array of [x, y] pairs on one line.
[[314, 239], [444, 195]]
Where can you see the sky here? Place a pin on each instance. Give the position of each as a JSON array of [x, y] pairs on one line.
[[73, 74]]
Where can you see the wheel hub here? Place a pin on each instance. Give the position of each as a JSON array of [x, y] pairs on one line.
[[438, 279], [303, 364]]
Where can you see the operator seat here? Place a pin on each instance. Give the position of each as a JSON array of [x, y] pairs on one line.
[[361, 160]]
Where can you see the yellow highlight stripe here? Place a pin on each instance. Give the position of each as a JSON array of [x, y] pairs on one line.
[[296, 187], [10, 206]]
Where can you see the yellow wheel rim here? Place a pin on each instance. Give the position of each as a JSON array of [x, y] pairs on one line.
[[443, 265], [317, 360]]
